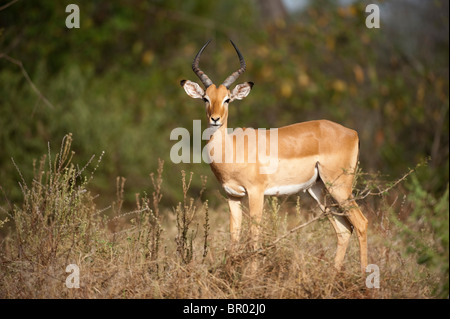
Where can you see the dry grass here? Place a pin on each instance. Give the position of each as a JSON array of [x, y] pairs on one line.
[[153, 253]]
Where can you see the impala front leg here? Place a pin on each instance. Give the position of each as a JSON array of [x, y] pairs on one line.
[[234, 204], [256, 203]]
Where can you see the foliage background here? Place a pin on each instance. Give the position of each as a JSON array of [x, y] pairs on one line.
[[114, 84]]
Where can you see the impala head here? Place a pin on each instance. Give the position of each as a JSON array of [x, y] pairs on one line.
[[215, 97]]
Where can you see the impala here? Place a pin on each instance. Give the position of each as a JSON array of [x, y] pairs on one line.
[[316, 156]]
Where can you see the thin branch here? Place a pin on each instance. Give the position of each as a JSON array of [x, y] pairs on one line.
[[27, 77], [293, 230], [273, 244], [383, 191], [3, 7]]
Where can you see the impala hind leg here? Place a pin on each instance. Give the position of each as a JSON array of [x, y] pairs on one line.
[[360, 223], [340, 189], [340, 224]]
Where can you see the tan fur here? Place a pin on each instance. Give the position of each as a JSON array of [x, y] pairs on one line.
[[302, 147]]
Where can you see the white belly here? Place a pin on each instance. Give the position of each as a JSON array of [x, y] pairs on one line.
[[240, 192], [292, 189]]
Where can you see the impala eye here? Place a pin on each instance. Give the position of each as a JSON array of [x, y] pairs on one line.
[[205, 99], [227, 101]]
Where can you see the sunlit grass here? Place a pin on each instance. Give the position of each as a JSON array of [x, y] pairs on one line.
[[154, 252]]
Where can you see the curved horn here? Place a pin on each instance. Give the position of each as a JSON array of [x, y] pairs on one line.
[[202, 76], [229, 80]]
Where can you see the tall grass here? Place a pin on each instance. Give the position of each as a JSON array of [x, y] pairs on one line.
[[154, 252]]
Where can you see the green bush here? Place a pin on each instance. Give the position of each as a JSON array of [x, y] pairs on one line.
[[425, 231]]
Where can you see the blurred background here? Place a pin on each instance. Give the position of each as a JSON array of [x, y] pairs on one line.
[[114, 83]]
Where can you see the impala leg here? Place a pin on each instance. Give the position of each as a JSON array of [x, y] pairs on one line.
[[343, 232], [256, 203], [341, 190], [340, 224], [359, 221], [234, 204]]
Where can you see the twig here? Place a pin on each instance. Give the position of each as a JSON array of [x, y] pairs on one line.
[[3, 7], [293, 230], [386, 189], [272, 244], [27, 77]]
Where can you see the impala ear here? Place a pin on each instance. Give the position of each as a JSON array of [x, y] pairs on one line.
[[241, 90], [192, 89]]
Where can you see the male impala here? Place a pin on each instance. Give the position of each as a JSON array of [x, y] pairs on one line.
[[313, 156]]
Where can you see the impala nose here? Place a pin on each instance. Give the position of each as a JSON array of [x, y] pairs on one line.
[[215, 119]]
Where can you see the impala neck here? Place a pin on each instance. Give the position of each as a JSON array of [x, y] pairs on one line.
[[220, 140], [219, 133]]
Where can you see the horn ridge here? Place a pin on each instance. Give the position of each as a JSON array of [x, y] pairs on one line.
[[202, 76], [229, 80]]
